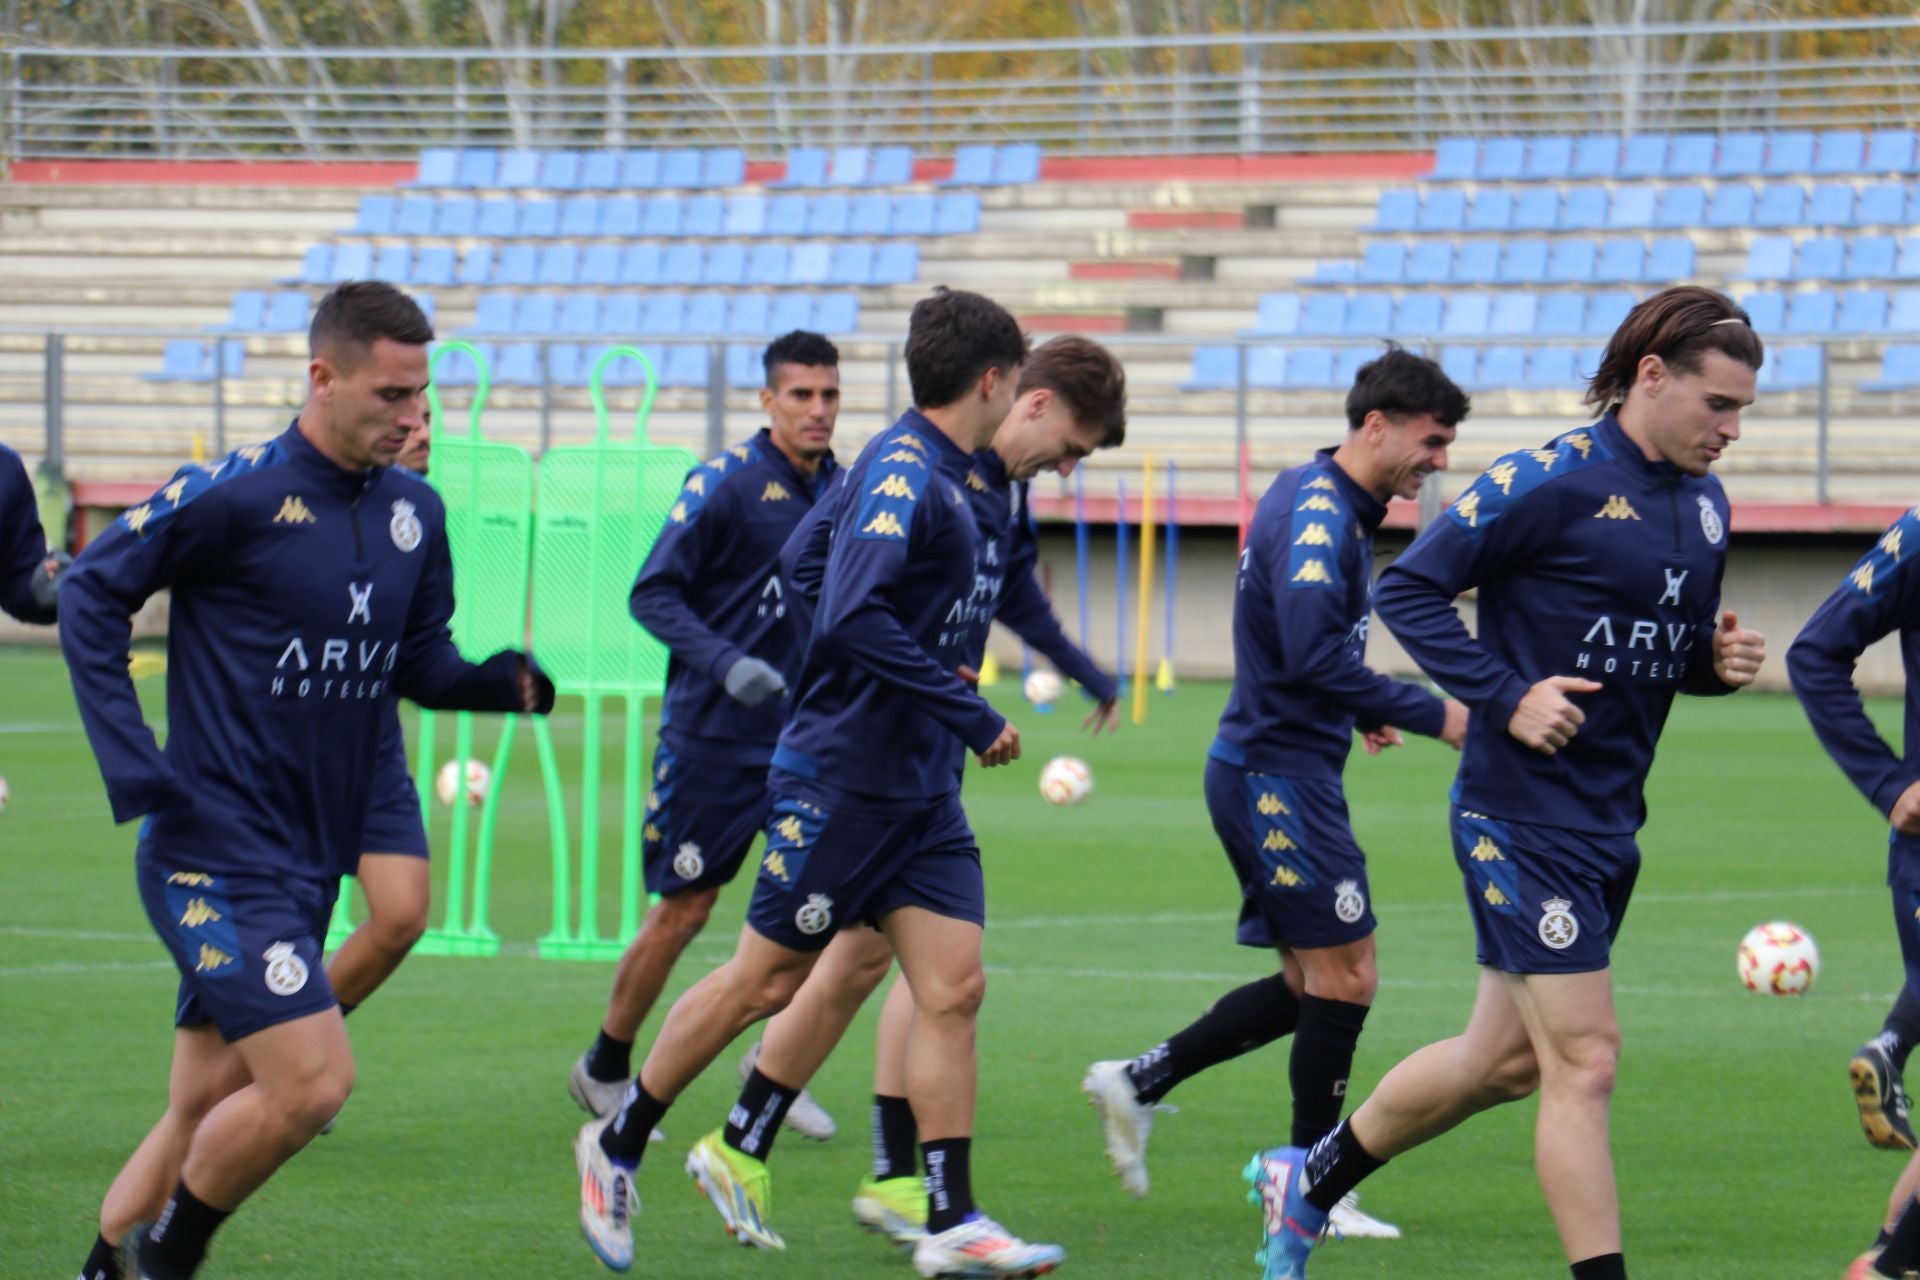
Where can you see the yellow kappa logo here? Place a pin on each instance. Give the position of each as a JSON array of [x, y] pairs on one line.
[[885, 525], [1495, 898], [774, 492], [1277, 842], [137, 518], [1318, 503], [1487, 851], [173, 491], [739, 451], [293, 510], [1468, 508], [910, 440], [1313, 571], [1581, 441], [776, 864], [1891, 543], [198, 913], [211, 958], [1285, 875], [788, 829], [905, 455], [193, 878], [1616, 508], [1545, 457], [679, 513], [1863, 579], [1502, 474], [1315, 535], [975, 483], [894, 486], [651, 832], [1271, 804], [1323, 482], [697, 484]]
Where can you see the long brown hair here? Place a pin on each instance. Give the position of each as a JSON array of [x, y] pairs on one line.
[[1680, 325], [1085, 375]]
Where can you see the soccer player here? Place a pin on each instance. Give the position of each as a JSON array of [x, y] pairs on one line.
[[1273, 778], [1071, 391], [867, 823], [311, 584], [711, 590], [1880, 596], [1598, 562], [29, 574]]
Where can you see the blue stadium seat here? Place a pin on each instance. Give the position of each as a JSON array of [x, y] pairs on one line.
[[1821, 258], [1899, 368], [600, 264], [560, 170], [494, 313], [914, 214], [245, 314], [1552, 368], [680, 168], [724, 167], [872, 215], [352, 260], [1607, 308], [972, 167], [499, 217], [640, 264], [600, 171], [1524, 262], [744, 368], [1502, 159], [518, 366], [517, 264], [897, 263], [828, 215], [1309, 367], [1790, 369], [478, 167], [806, 167], [1732, 206], [1841, 151], [476, 265], [809, 263], [1549, 158], [685, 365], [1670, 260], [1831, 205], [1214, 369], [1767, 310], [1418, 314], [1369, 315], [459, 370], [439, 167], [746, 214], [538, 313], [1770, 258], [1621, 259], [1632, 207], [394, 263], [792, 310], [1882, 204], [1462, 364], [1431, 262], [559, 265], [849, 167], [1572, 261], [1903, 316], [706, 313], [1584, 209], [1397, 211], [1790, 152], [1690, 155], [1336, 271], [1017, 164], [1266, 367], [1278, 315], [568, 365], [1503, 367], [316, 266], [286, 313], [639, 169], [1907, 267], [376, 216], [1862, 311], [1742, 155], [787, 216], [726, 264], [747, 313], [1476, 262], [1492, 210], [1444, 209], [664, 213], [1644, 156], [665, 315], [1562, 315], [767, 264], [1781, 204], [682, 264], [1813, 311], [622, 217], [1890, 151], [425, 302], [1385, 262], [1513, 314], [704, 216], [1537, 209], [1681, 208], [539, 217], [580, 216], [456, 215], [1455, 159], [415, 216], [1467, 315], [181, 360], [620, 313], [1324, 315], [1870, 258], [579, 313], [1347, 362], [1596, 156], [851, 264], [836, 313], [519, 169], [890, 167]]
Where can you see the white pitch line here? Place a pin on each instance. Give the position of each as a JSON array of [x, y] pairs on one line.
[[66, 970], [32, 727], [76, 935]]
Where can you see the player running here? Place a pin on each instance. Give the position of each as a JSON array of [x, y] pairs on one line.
[[29, 573], [1598, 562]]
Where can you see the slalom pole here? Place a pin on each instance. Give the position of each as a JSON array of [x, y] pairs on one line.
[[1080, 549], [1144, 622], [1120, 582], [1163, 680]]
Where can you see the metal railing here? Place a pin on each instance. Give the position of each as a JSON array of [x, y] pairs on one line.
[[1243, 93]]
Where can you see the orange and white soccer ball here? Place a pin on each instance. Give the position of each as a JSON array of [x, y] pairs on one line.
[[1778, 959], [479, 778], [1066, 780], [3, 795], [1042, 688]]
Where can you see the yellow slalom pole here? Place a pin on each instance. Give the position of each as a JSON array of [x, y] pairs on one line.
[[1146, 591]]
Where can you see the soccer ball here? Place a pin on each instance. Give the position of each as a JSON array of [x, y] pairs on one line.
[[3, 795], [1778, 959], [479, 778], [1042, 688], [1066, 780]]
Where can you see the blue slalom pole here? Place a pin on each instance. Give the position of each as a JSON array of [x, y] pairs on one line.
[[1080, 551], [1120, 585], [1173, 559]]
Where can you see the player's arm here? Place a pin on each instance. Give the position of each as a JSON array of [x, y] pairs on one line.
[[691, 543], [432, 673], [1877, 598], [26, 586], [1026, 611], [803, 562], [174, 537]]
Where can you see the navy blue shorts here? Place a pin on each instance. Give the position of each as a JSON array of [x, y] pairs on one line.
[[247, 946], [395, 823], [1544, 899], [1303, 878], [702, 817], [828, 867]]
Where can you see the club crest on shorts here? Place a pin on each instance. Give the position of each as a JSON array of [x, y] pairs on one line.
[[1710, 521], [815, 914], [1558, 929], [405, 526], [688, 864], [286, 972], [1348, 902]]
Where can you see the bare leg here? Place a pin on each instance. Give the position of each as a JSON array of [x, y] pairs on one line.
[[670, 926], [801, 1037], [940, 958], [1904, 1191], [759, 981], [205, 1071], [891, 1039], [397, 892]]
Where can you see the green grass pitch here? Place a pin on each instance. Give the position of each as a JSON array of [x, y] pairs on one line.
[[1110, 926]]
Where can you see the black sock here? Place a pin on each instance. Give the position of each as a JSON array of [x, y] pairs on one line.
[[1902, 1253], [625, 1140], [1239, 1022], [346, 1008], [755, 1120], [1608, 1266], [103, 1263], [1335, 1166], [1322, 1060], [1901, 1031], [610, 1059], [177, 1241], [1880, 1240], [949, 1183], [894, 1137]]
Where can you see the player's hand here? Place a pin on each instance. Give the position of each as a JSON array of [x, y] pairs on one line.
[[1545, 719], [751, 682], [968, 676], [1377, 740], [536, 691], [1105, 715], [1005, 748], [45, 585], [1453, 730], [1737, 652], [1906, 812]]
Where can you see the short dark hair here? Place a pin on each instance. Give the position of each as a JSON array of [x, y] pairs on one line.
[[953, 338], [1399, 383], [1085, 375], [799, 347], [1680, 325], [359, 312]]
